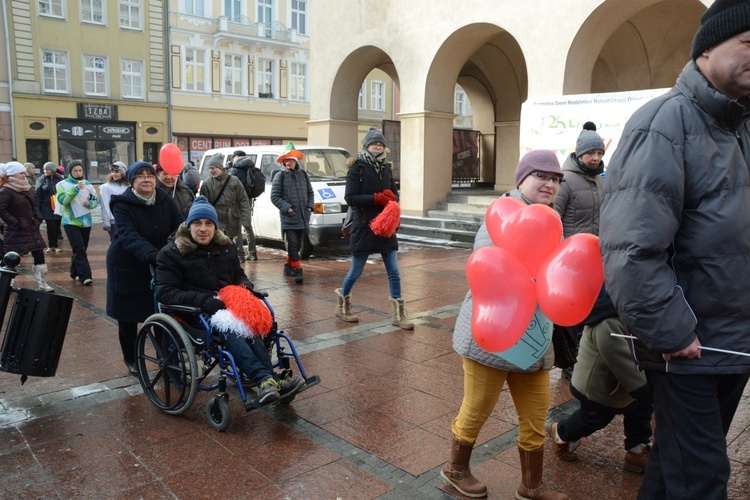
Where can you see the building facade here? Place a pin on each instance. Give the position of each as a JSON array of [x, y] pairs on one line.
[[88, 81], [500, 54]]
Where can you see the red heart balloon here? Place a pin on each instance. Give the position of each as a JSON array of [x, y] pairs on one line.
[[503, 298], [570, 279], [498, 214], [531, 235], [170, 159]]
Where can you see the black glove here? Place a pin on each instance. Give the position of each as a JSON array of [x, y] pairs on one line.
[[211, 306], [151, 258]]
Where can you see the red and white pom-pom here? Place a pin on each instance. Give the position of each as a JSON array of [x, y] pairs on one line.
[[387, 221], [245, 315]]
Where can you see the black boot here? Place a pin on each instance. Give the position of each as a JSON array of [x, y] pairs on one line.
[[298, 276]]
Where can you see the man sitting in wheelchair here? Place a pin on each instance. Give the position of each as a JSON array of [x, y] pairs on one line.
[[192, 268]]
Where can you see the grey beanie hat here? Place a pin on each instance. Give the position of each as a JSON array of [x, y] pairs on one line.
[[373, 135], [50, 165], [121, 167], [588, 140], [723, 20], [216, 160]]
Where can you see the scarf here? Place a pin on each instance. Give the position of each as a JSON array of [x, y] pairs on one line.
[[148, 200], [378, 162], [588, 170], [17, 184]]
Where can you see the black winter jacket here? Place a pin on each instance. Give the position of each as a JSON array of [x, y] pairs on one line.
[[45, 187], [22, 219], [675, 227], [189, 275], [141, 232], [362, 182], [292, 189]]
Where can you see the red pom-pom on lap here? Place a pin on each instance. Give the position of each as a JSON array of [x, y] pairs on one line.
[[248, 308], [387, 221]]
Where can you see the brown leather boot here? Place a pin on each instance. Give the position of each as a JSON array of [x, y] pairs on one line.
[[532, 485], [458, 473], [636, 462]]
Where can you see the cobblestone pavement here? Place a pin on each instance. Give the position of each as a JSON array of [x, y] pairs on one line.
[[377, 426]]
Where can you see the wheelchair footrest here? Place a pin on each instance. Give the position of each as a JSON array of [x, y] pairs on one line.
[[310, 381]]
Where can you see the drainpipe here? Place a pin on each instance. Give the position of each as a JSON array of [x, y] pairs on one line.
[[168, 65], [10, 83]]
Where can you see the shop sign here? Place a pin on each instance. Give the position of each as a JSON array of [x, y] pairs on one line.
[[117, 132], [97, 111], [71, 130]]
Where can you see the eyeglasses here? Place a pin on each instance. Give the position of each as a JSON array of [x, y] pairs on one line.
[[144, 176], [377, 145], [546, 178], [114, 170]]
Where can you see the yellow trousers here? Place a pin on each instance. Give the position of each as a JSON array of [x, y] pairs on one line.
[[482, 387]]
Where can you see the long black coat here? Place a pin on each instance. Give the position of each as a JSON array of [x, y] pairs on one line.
[[141, 232], [189, 275], [362, 182], [45, 187], [292, 189], [22, 219]]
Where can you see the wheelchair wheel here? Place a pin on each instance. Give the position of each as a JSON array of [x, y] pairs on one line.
[[167, 368], [217, 412]]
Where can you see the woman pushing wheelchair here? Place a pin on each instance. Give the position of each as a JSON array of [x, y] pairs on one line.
[[190, 271]]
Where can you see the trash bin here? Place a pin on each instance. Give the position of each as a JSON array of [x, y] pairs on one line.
[[35, 334]]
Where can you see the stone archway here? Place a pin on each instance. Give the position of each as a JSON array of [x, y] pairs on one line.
[[638, 45]]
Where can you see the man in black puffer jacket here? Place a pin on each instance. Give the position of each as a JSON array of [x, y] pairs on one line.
[[675, 236]]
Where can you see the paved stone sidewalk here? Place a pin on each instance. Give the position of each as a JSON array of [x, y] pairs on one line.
[[378, 425]]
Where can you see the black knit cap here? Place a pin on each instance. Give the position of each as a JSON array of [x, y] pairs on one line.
[[723, 20]]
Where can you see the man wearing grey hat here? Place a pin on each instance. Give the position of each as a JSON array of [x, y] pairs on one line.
[[675, 237]]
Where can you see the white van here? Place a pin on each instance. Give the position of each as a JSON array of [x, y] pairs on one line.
[[327, 169]]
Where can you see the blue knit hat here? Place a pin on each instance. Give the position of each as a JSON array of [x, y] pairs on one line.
[[202, 209], [135, 167]]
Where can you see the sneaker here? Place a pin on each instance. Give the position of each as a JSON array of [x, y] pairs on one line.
[[268, 391], [288, 271], [252, 256], [288, 385], [562, 449], [636, 462], [88, 282], [49, 250]]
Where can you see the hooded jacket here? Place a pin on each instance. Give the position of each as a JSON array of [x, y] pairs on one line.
[[675, 227], [189, 275], [579, 199]]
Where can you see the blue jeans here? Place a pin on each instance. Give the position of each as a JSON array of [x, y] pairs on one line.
[[358, 265], [693, 415], [250, 356]]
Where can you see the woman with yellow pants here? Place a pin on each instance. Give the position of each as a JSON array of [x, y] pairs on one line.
[[538, 178]]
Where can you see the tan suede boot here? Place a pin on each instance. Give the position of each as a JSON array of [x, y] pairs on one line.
[[344, 307], [532, 485], [398, 315], [458, 473]]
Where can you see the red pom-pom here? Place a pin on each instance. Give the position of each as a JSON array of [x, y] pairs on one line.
[[247, 308], [387, 221]]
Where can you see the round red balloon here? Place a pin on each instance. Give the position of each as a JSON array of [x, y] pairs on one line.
[[498, 214], [503, 298], [531, 235], [569, 281], [170, 159]]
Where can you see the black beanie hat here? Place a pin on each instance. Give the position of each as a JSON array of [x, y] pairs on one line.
[[723, 20]]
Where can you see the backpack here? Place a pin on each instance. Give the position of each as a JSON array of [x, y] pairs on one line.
[[251, 177]]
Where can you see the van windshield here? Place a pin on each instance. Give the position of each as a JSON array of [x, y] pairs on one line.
[[325, 162]]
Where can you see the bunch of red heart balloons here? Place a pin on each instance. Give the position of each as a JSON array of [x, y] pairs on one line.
[[528, 265]]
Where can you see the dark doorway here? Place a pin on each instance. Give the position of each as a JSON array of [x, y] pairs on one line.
[[37, 152], [150, 152]]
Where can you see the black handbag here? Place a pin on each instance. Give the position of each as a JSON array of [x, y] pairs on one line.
[[565, 344]]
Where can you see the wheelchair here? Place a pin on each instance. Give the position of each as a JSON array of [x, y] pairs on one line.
[[167, 352]]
